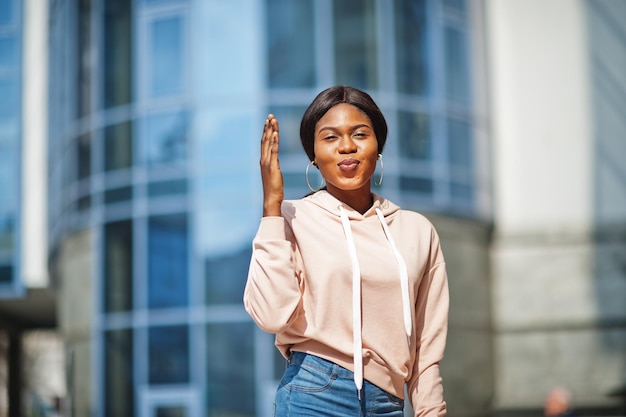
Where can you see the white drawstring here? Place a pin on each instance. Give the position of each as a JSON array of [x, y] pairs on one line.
[[356, 303], [356, 293], [404, 278]]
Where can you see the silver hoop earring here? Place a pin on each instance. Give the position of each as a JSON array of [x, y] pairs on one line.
[[382, 170], [306, 175]]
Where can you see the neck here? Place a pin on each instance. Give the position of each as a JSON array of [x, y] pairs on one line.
[[361, 199]]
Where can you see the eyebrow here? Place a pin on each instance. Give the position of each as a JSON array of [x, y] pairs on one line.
[[355, 127]]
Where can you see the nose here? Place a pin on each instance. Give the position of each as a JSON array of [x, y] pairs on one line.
[[347, 144]]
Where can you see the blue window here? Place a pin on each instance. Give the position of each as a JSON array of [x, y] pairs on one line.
[[164, 138], [166, 52], [168, 277], [411, 47], [168, 355], [291, 42], [118, 381]]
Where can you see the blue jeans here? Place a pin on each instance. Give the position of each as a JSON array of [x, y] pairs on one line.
[[314, 387]]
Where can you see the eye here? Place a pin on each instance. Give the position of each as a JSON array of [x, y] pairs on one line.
[[329, 137], [360, 134]]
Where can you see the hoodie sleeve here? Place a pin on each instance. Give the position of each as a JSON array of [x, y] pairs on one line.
[[272, 294], [425, 386]]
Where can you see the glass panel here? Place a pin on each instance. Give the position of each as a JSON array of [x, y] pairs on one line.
[[8, 53], [118, 369], [118, 266], [117, 70], [456, 65], [84, 58], [9, 98], [458, 5], [118, 146], [230, 372], [84, 155], [7, 11], [168, 353], [289, 118], [164, 188], [167, 57], [414, 135], [226, 277], [8, 178], [420, 185], [171, 411], [355, 43], [459, 144], [6, 273], [412, 47], [164, 138], [118, 195], [168, 277], [7, 226], [291, 42]]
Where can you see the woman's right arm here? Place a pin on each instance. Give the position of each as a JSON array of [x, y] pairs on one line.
[[272, 293]]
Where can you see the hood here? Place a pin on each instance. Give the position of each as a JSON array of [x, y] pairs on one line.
[[328, 202]]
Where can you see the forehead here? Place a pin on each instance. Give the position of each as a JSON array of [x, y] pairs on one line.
[[343, 114]]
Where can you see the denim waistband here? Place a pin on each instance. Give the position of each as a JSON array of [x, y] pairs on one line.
[[320, 364]]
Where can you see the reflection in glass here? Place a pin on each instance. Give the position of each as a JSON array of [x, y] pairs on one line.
[[230, 372], [456, 65], [84, 58], [118, 146], [354, 23], [7, 11], [226, 277], [6, 274], [412, 47], [117, 69], [118, 195], [171, 411], [9, 97], [168, 277], [164, 138], [84, 155], [8, 178], [166, 54], [291, 43], [459, 144], [458, 5], [415, 184], [8, 53], [7, 226], [118, 369], [118, 266], [414, 135], [168, 355]]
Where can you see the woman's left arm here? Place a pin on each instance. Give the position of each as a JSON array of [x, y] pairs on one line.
[[425, 385]]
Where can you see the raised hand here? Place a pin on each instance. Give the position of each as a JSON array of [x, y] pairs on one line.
[[272, 177]]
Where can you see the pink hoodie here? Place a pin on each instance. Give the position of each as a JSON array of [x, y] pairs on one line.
[[310, 268]]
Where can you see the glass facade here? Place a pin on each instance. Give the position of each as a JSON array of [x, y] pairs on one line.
[[156, 108], [10, 142]]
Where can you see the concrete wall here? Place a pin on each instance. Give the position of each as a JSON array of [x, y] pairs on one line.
[[467, 368], [559, 251], [75, 313]]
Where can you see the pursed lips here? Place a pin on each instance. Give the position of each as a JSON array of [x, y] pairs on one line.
[[348, 164]]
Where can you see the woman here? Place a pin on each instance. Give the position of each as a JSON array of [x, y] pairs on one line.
[[354, 288]]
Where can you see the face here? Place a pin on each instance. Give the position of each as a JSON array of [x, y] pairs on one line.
[[346, 149]]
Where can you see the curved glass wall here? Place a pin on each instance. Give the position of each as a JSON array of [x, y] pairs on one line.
[[156, 108], [10, 142]]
